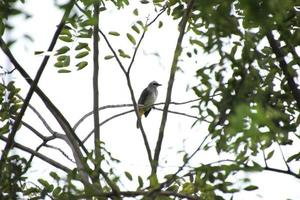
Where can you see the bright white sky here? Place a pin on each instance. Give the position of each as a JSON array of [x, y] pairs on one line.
[[72, 94]]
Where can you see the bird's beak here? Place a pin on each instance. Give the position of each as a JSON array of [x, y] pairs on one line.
[[159, 84]]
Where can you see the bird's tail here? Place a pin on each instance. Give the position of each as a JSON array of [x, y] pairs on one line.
[[141, 112]]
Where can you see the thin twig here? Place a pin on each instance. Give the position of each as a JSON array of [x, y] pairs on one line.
[[39, 155], [126, 105], [61, 151], [38, 114], [173, 177], [105, 121], [264, 156], [283, 158], [99, 109]]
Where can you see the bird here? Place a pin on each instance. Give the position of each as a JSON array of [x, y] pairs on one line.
[[147, 99]]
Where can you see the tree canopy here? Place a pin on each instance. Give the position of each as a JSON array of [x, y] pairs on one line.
[[247, 98]]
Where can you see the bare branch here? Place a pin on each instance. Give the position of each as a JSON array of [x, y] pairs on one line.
[[142, 37], [39, 116], [101, 108], [105, 121], [39, 155], [283, 158], [125, 105], [177, 53], [173, 178], [61, 151], [96, 90]]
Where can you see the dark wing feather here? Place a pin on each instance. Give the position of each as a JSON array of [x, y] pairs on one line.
[[143, 96], [147, 112]]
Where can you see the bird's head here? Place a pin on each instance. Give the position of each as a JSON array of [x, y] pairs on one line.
[[154, 84]]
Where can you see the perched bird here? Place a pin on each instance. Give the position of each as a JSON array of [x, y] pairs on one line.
[[147, 99]]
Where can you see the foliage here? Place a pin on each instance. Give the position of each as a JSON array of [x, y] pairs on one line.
[[247, 97]]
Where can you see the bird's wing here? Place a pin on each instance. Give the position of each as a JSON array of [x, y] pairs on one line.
[[145, 94], [142, 100], [147, 112]]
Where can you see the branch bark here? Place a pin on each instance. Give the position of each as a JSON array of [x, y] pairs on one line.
[[177, 53], [96, 90]]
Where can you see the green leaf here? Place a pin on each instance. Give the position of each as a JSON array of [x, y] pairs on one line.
[[144, 1], [54, 176], [128, 175], [81, 65], [123, 54], [61, 58], [65, 38], [88, 22], [160, 24], [62, 50], [82, 54], [4, 129], [136, 12], [59, 64], [197, 42], [66, 32], [64, 71], [47, 186], [131, 38], [270, 155], [2, 28], [82, 46], [188, 188], [38, 52], [135, 28], [67, 61], [140, 23], [251, 188], [101, 9], [108, 57], [141, 183], [294, 157], [114, 33], [56, 192]]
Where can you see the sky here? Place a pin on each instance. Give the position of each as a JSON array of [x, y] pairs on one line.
[[72, 94]]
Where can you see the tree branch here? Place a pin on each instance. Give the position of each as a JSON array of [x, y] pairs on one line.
[[96, 90], [39, 155], [105, 121], [284, 67], [126, 105], [177, 53]]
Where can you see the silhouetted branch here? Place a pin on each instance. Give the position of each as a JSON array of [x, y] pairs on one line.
[[39, 155], [177, 53], [123, 106]]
